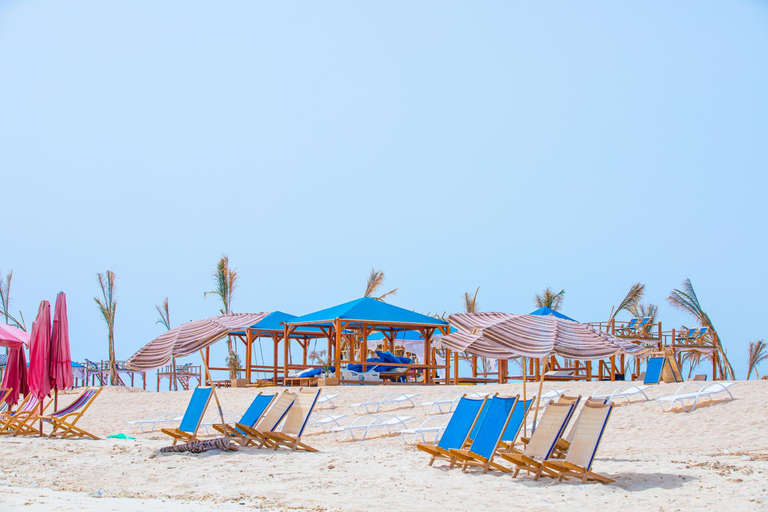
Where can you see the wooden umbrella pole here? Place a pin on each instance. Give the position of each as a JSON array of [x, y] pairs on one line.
[[544, 370], [213, 387], [525, 399]]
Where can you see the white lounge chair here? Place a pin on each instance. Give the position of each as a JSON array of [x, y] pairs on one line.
[[706, 391], [365, 423], [376, 401], [429, 426], [327, 399], [326, 421], [549, 394], [151, 423], [445, 403], [625, 391]]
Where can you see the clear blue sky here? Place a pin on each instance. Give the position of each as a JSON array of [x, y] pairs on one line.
[[507, 145]]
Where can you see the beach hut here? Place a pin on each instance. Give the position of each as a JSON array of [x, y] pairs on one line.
[[364, 317]]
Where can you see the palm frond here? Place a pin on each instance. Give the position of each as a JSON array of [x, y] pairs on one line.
[[225, 282], [758, 352], [470, 302], [165, 314], [633, 297], [685, 299], [549, 299], [375, 280], [108, 308]]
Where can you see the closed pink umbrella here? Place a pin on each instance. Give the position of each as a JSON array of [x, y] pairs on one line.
[[60, 359], [39, 355], [15, 377]]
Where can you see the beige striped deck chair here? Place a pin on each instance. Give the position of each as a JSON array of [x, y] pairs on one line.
[[268, 422], [296, 420]]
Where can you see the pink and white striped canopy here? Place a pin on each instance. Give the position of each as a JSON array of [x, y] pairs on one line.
[[532, 336], [189, 338]]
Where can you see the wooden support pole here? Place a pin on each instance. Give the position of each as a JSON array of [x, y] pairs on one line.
[[275, 341], [248, 353], [337, 348]]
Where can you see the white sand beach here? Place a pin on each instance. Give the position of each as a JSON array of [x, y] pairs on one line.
[[713, 457]]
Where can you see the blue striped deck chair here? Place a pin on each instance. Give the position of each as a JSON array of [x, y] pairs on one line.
[[662, 368], [269, 421], [630, 328], [193, 416], [18, 422], [465, 419], [296, 420], [64, 420], [251, 416], [515, 424], [483, 448], [543, 442], [586, 439], [687, 337], [4, 407]]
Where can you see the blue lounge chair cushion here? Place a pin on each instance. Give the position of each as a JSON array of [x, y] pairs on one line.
[[516, 421], [654, 369], [494, 423], [256, 409], [461, 421], [312, 372]]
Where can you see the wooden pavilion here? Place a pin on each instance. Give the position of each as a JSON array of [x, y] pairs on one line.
[[361, 318]]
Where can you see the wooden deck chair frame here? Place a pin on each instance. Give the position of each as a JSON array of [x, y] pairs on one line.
[[438, 453], [295, 422], [269, 421], [186, 436], [524, 461], [468, 459], [236, 434], [565, 468], [22, 422], [64, 427]]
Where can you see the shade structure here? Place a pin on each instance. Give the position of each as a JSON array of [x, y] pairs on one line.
[[189, 338], [534, 336], [12, 337], [370, 311], [551, 312], [40, 353], [15, 376], [60, 358]]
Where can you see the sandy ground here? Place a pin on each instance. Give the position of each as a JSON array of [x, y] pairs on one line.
[[714, 456]]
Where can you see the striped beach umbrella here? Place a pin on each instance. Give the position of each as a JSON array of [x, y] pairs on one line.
[[189, 338]]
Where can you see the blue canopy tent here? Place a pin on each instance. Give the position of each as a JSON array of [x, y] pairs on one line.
[[273, 326], [551, 312], [365, 316]]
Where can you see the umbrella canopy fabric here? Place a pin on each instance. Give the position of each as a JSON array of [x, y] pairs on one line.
[[189, 338], [60, 358], [536, 336], [40, 352], [12, 337], [15, 376]]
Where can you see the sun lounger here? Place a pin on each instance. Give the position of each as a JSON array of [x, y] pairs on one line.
[[64, 420], [325, 421], [252, 415], [486, 444], [612, 393], [255, 435], [565, 442], [623, 331], [543, 441], [151, 423], [376, 402], [549, 394], [4, 392], [327, 399], [296, 421], [586, 439], [445, 403], [22, 420], [465, 420], [193, 416], [432, 427], [365, 423], [705, 391]]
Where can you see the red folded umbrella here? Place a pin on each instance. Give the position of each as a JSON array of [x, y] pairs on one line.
[[39, 353], [12, 337], [15, 377], [60, 359]]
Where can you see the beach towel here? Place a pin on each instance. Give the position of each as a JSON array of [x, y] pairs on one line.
[[220, 443]]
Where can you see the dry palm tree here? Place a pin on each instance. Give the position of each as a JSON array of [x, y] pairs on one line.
[[376, 279], [5, 301], [758, 352], [549, 299], [165, 321], [632, 299], [470, 302], [225, 281], [685, 299], [108, 307]]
